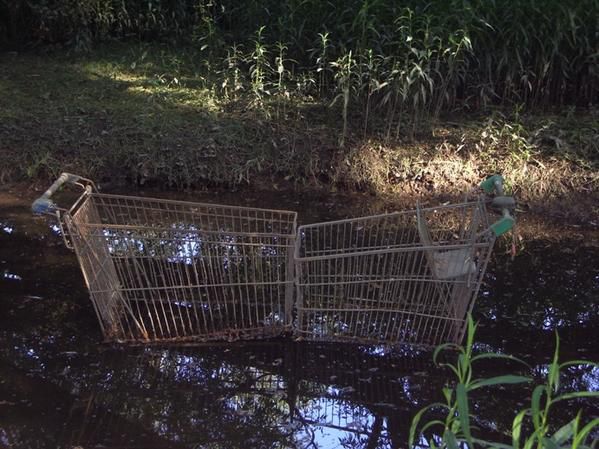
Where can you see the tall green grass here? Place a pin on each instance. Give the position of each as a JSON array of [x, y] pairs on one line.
[[532, 427], [391, 66]]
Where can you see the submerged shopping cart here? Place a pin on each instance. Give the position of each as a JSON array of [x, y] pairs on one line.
[[164, 270]]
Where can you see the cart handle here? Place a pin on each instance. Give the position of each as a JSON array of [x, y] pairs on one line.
[[44, 205], [494, 184]]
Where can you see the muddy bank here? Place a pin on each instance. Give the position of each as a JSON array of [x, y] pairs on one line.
[[109, 117]]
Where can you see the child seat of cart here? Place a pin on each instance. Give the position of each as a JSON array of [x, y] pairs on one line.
[[444, 264]]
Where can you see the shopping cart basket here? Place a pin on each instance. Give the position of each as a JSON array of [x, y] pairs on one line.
[[175, 270], [171, 270], [409, 276]]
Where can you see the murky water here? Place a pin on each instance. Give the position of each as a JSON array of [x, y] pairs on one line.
[[60, 387]]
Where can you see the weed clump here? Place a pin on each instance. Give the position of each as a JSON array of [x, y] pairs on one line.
[[532, 427]]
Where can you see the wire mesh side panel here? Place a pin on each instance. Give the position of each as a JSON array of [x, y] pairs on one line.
[[98, 270], [189, 271], [461, 247], [377, 279]]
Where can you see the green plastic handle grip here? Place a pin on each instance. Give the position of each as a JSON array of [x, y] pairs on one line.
[[503, 225], [493, 183]]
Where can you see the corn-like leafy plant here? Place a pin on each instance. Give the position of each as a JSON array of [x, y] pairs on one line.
[[259, 66], [401, 65], [345, 75], [455, 430], [321, 53], [233, 83]]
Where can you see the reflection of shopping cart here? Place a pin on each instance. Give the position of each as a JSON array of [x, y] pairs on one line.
[[174, 270], [239, 396]]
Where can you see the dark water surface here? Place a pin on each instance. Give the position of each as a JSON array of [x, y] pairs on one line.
[[61, 388]]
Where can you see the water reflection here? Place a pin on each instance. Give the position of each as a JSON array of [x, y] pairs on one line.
[[250, 395], [589, 380], [59, 387], [56, 229], [579, 377], [11, 276], [543, 290], [278, 394], [272, 394], [5, 227]]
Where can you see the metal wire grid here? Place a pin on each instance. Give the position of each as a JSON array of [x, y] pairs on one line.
[[403, 277], [174, 270], [344, 393]]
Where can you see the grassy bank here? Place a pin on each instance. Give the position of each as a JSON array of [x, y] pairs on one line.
[[147, 114]]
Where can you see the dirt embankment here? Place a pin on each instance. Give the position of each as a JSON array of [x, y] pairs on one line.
[[124, 125]]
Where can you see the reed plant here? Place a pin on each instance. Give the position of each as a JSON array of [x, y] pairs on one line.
[[404, 63], [314, 91], [259, 66], [532, 427]]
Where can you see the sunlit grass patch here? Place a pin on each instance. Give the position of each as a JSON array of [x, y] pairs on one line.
[[145, 113]]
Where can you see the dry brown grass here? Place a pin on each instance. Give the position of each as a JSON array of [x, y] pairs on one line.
[[459, 157]]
